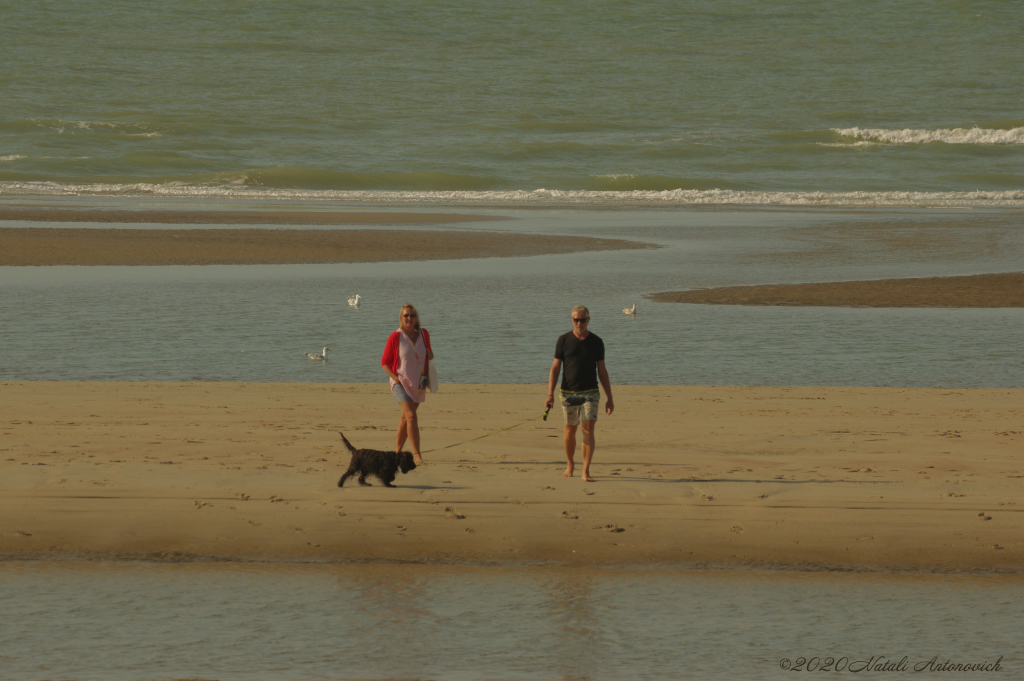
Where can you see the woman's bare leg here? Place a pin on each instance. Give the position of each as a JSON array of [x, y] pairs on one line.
[[409, 426], [403, 431]]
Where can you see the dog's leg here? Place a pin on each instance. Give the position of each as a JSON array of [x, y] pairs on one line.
[[344, 477], [362, 481]]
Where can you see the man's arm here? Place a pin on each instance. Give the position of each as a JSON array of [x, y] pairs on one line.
[[556, 367], [606, 383]]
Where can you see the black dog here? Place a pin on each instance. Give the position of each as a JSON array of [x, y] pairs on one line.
[[375, 462]]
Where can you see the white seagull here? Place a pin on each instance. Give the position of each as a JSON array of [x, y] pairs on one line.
[[630, 310], [321, 356], [354, 302]]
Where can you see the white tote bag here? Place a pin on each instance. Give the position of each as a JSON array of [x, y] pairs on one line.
[[432, 378]]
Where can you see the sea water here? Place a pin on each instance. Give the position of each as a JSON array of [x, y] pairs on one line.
[[495, 320], [236, 622], [708, 101]]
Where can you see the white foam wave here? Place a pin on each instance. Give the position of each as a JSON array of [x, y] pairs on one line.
[[60, 126], [947, 135], [850, 145], [12, 157], [682, 197]]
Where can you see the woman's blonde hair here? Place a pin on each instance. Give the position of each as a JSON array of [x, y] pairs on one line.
[[409, 306]]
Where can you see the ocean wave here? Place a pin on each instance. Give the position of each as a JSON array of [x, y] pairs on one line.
[[849, 145], [12, 157], [60, 126], [947, 135], [554, 197]]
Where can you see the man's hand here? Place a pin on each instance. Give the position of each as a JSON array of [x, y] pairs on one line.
[[609, 406], [549, 401]]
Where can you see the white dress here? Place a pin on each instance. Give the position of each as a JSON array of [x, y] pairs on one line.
[[412, 360]]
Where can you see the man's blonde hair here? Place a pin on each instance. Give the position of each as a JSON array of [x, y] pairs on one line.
[[581, 308], [409, 306]]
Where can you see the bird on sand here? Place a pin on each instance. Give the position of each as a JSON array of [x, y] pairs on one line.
[[630, 310], [354, 302], [321, 356]]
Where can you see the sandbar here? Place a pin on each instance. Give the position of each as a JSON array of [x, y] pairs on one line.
[[979, 290], [809, 478], [31, 246], [236, 217]]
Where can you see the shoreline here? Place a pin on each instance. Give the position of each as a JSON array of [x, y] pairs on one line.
[[1005, 289], [51, 246], [802, 479]]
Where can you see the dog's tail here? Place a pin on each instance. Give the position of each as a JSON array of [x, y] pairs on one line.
[[347, 443]]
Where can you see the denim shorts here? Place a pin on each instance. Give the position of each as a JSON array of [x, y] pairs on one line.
[[580, 405], [399, 392]]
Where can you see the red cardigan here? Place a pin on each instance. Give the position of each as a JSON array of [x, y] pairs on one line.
[[391, 357]]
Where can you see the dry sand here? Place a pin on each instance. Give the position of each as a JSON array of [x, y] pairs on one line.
[[72, 246], [981, 290], [862, 478]]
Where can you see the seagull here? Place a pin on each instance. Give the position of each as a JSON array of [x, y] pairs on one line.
[[630, 310], [354, 302], [322, 356]]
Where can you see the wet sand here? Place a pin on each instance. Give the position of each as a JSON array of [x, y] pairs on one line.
[[235, 217], [73, 246], [800, 478], [981, 290]]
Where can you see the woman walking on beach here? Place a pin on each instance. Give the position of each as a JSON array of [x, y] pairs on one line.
[[406, 359]]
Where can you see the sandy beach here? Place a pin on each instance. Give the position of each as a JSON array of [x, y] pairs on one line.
[[980, 290], [805, 478], [71, 246]]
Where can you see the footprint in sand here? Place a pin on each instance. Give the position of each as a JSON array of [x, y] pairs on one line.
[[570, 516], [451, 514], [737, 529], [200, 504], [588, 493], [706, 497], [983, 516], [254, 523], [546, 487], [470, 530]]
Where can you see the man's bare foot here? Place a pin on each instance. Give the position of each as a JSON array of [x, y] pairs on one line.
[[418, 460], [568, 472], [586, 477]]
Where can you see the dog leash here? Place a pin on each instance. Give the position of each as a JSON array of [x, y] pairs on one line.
[[481, 437]]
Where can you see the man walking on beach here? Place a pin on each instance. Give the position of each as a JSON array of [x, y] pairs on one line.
[[582, 353]]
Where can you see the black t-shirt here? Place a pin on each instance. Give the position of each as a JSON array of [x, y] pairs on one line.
[[579, 360]]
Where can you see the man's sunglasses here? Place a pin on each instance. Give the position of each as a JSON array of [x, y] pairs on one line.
[[581, 320]]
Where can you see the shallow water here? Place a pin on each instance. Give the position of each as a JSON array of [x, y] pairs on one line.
[[129, 622], [496, 320]]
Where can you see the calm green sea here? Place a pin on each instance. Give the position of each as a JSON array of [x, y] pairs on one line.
[[724, 101]]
